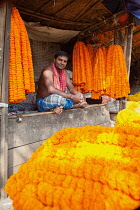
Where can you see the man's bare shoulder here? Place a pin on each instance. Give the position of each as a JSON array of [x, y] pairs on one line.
[[47, 70]]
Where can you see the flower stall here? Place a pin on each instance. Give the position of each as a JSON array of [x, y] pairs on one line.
[[100, 65]]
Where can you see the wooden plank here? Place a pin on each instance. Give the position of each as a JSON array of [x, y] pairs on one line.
[[35, 128], [4, 111], [2, 28], [46, 113]]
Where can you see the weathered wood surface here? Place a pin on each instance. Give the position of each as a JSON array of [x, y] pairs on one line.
[[2, 30], [5, 13], [25, 137]]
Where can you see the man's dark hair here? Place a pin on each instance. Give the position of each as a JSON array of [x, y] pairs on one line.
[[61, 53]]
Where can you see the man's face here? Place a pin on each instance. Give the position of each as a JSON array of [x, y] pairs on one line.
[[60, 62]]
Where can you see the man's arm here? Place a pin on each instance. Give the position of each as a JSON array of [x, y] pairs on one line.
[[48, 81]]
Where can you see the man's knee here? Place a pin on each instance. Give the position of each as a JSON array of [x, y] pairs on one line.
[[55, 99]]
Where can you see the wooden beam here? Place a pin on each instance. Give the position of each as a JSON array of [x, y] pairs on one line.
[[134, 55], [4, 111], [137, 32], [49, 18], [85, 9], [20, 2], [136, 43], [137, 50], [42, 6], [100, 24], [65, 7]]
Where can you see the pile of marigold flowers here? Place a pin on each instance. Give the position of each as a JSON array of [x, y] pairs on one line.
[[101, 72], [135, 97], [131, 113], [89, 168], [21, 74]]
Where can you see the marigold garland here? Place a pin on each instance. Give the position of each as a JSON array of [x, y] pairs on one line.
[[21, 75], [82, 68], [109, 75], [90, 167], [135, 97], [131, 113], [99, 72], [117, 78]]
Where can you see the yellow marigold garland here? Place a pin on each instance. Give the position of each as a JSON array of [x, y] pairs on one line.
[[20, 46], [135, 97], [90, 167], [131, 113]]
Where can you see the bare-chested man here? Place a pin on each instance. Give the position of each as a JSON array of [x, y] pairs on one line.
[[53, 82]]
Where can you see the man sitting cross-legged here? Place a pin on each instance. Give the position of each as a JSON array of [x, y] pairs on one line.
[[53, 82]]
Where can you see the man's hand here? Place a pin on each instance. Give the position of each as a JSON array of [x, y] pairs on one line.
[[76, 98]]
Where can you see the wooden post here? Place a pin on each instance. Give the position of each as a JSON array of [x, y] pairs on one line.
[[125, 41], [116, 36], [127, 54], [129, 48], [5, 11]]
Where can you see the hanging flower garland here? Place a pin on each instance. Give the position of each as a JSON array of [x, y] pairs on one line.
[[90, 167], [117, 84], [13, 94], [23, 59], [108, 75], [99, 72], [82, 68], [18, 70]]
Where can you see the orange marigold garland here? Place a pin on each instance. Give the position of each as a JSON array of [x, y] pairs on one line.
[[24, 68], [99, 72], [82, 68], [117, 84], [18, 70], [12, 74], [24, 56], [90, 167]]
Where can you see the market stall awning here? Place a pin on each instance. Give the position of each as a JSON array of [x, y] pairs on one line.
[[49, 34]]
